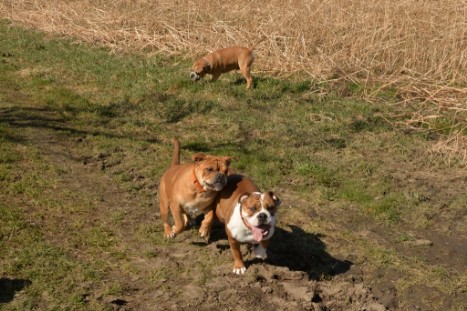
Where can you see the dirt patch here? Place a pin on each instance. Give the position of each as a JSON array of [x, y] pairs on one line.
[[264, 286], [298, 275]]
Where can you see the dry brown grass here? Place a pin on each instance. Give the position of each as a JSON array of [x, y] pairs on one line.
[[417, 47], [374, 38]]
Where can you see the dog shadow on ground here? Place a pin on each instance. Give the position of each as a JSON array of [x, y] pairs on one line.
[[302, 251], [8, 288], [295, 249]]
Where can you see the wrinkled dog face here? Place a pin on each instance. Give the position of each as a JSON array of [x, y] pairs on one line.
[[211, 171], [258, 210], [200, 69]]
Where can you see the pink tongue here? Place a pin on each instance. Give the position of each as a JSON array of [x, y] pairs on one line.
[[257, 233]]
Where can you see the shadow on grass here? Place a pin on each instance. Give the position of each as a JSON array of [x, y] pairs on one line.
[[8, 288], [297, 250], [215, 148], [52, 119]]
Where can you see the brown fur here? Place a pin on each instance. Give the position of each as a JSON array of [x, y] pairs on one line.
[[225, 60], [179, 193]]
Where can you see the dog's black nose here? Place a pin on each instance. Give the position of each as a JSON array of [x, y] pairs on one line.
[[193, 76], [221, 178], [262, 217]]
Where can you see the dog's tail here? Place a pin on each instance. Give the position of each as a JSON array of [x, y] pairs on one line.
[[176, 154], [258, 42]]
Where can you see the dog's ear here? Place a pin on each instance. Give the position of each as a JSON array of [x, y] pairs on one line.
[[197, 157], [207, 66], [276, 200], [243, 197], [228, 160]]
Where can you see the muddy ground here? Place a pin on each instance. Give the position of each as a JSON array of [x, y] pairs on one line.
[[290, 279]]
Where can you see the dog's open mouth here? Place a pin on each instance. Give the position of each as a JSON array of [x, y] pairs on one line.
[[260, 232], [216, 187]]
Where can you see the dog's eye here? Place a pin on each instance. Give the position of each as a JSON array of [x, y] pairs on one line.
[[271, 209], [209, 169], [251, 209]]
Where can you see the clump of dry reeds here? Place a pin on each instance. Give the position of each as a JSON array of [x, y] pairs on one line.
[[418, 47]]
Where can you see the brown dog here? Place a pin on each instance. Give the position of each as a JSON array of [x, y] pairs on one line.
[[248, 215], [190, 188], [225, 60]]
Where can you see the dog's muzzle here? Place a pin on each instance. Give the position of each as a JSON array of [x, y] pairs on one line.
[[194, 76], [262, 218], [219, 182]]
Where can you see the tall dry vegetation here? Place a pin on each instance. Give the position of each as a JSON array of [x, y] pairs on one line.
[[375, 38], [418, 47]]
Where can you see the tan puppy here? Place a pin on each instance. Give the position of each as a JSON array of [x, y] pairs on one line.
[[190, 188], [248, 215], [225, 60]]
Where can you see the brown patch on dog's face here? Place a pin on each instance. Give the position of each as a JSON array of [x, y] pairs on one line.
[[251, 204], [255, 202], [270, 202], [200, 68], [211, 171]]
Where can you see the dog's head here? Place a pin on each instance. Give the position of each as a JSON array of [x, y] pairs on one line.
[[211, 171], [259, 212], [200, 68]]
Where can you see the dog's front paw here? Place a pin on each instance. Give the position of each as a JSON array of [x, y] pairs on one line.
[[168, 232], [260, 251], [240, 270], [203, 233], [239, 267], [169, 235]]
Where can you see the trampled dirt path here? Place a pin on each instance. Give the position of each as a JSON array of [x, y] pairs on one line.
[[188, 273]]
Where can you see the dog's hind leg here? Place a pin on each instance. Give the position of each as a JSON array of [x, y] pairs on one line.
[[247, 75], [164, 210]]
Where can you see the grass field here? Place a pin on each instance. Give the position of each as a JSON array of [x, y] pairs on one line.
[[411, 54], [373, 207]]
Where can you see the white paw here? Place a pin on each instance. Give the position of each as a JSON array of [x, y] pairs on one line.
[[260, 251], [241, 270], [171, 235]]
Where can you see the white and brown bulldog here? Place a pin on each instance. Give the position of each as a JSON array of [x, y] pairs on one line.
[[189, 189], [249, 217], [225, 60]]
